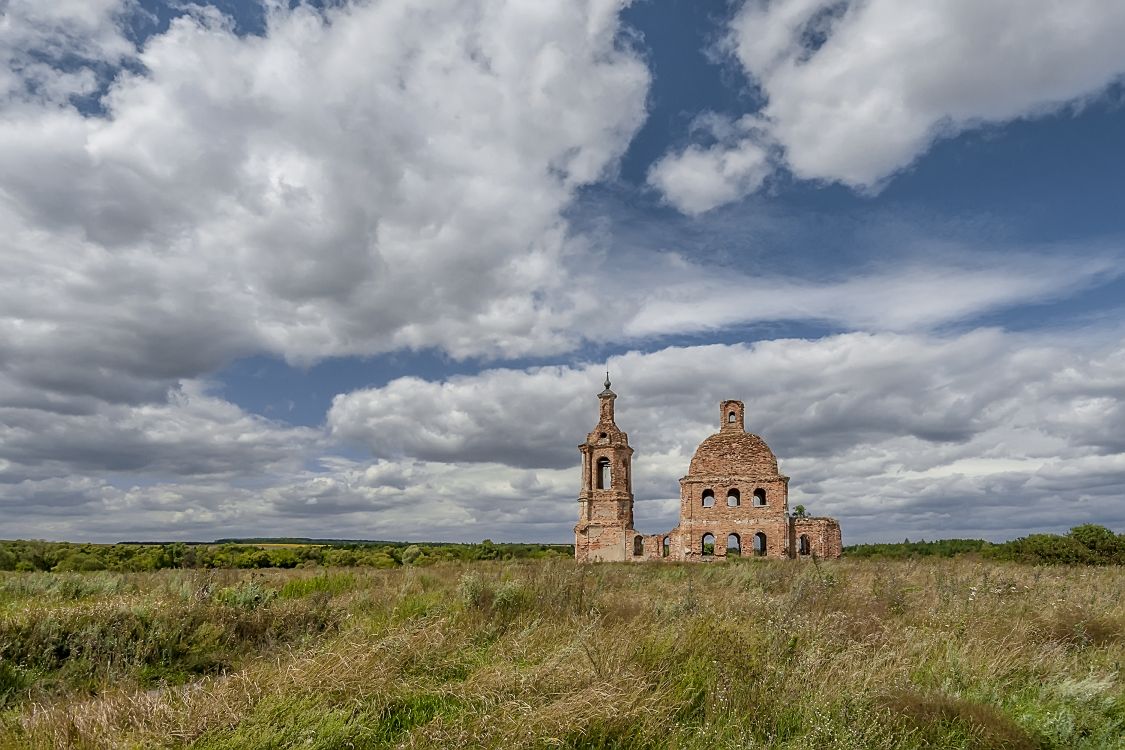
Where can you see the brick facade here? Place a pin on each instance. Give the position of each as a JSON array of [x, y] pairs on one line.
[[815, 537], [733, 501], [605, 505]]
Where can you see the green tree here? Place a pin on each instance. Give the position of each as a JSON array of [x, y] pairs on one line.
[[76, 560], [1106, 546]]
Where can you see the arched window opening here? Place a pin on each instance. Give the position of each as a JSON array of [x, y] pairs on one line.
[[638, 545], [605, 477], [731, 418], [666, 547], [760, 544], [805, 548], [708, 546], [734, 546], [708, 498], [733, 498], [759, 497]]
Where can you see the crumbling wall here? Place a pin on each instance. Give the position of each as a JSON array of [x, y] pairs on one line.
[[823, 536], [597, 543], [645, 547]]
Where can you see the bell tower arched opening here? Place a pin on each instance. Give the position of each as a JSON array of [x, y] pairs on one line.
[[605, 474]]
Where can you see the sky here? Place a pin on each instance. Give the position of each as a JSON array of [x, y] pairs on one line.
[[357, 269]]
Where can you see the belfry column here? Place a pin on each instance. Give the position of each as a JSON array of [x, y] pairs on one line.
[[606, 500]]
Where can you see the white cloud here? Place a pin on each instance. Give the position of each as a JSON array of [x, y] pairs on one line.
[[700, 178], [384, 176], [856, 91], [362, 179], [365, 179], [898, 435], [928, 285], [192, 434], [983, 433], [51, 50], [343, 500], [508, 416], [371, 177]]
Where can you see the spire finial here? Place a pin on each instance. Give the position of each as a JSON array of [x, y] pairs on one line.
[[607, 393]]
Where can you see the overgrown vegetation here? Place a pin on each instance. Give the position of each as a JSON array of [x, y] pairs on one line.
[[934, 653], [253, 554], [1089, 544], [908, 549]]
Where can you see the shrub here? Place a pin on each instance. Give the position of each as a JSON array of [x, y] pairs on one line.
[[1089, 544], [249, 595], [510, 598], [1105, 546], [473, 591]]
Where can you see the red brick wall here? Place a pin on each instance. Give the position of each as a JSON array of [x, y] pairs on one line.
[[823, 534], [605, 514], [731, 459]]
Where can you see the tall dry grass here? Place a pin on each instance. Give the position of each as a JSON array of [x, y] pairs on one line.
[[850, 654]]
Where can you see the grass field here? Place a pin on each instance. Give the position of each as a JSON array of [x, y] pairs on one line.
[[545, 654]]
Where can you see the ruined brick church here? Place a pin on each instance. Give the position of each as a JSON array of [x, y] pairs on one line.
[[733, 501]]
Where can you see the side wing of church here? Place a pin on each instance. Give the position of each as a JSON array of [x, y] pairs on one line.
[[733, 501]]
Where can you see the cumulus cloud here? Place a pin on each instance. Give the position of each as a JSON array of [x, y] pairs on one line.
[[343, 499], [984, 432], [373, 177], [54, 51], [105, 471], [358, 179], [191, 434], [981, 433], [510, 416], [363, 178], [700, 178], [856, 91]]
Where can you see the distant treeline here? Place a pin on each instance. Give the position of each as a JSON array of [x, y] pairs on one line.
[[905, 549], [264, 553], [1089, 544]]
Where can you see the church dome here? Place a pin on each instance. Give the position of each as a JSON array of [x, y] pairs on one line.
[[734, 454]]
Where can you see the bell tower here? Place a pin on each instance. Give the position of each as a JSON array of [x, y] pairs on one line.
[[605, 504]]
